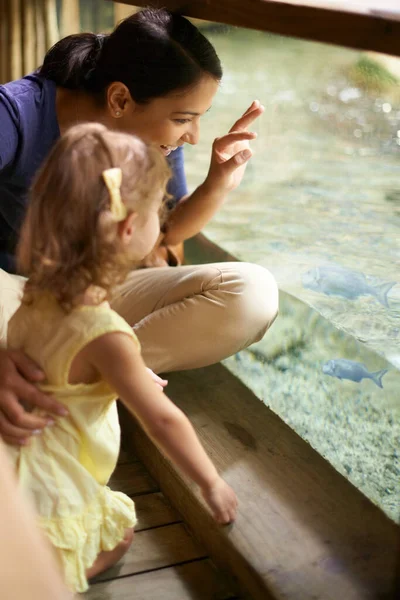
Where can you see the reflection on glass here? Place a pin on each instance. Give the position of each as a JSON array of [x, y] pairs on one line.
[[96, 16]]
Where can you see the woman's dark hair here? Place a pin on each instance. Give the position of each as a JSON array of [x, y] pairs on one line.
[[153, 52]]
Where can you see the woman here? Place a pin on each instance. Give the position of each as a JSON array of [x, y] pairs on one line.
[[154, 76]]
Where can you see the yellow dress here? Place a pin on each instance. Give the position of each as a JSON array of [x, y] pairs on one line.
[[67, 467]]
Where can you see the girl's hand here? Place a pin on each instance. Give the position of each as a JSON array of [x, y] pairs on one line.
[[161, 383], [231, 152], [222, 501]]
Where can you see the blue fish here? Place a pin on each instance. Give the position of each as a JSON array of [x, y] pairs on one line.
[[338, 281], [352, 370]]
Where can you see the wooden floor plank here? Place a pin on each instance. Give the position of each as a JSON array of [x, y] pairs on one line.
[[153, 510], [156, 549], [303, 531], [132, 479], [126, 457], [194, 581]]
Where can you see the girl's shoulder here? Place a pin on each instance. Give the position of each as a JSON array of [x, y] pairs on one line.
[[86, 324], [98, 318], [45, 323]]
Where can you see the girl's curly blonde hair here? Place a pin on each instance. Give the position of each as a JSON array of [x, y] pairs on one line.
[[69, 239]]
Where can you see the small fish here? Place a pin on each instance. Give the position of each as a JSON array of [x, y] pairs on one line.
[[338, 281], [352, 370]]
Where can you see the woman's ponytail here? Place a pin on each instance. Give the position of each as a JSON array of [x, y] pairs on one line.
[[72, 62], [153, 52]]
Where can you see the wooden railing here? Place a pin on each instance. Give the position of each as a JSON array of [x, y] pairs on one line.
[[363, 24]]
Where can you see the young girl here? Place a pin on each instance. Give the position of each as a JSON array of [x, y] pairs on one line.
[[94, 209]]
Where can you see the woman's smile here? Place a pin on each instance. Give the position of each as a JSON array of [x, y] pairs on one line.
[[166, 150]]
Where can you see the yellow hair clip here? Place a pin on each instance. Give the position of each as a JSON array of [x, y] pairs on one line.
[[113, 180]]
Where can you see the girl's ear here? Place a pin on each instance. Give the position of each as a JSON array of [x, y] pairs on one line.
[[126, 228]]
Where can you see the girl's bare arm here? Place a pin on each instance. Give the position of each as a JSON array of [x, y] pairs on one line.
[[118, 360]]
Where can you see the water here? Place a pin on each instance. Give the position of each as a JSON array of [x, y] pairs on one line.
[[320, 207]]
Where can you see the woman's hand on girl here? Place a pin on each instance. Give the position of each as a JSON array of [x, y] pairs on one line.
[[18, 376], [222, 501], [231, 152]]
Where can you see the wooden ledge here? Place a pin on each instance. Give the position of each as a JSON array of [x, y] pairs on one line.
[[362, 24], [303, 531]]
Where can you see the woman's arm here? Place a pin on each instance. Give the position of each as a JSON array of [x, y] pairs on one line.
[[116, 357], [18, 374], [28, 568], [8, 136], [230, 154]]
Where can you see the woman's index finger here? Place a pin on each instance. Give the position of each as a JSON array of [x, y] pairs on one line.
[[247, 119]]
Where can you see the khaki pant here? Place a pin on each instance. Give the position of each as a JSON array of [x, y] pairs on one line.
[[185, 317]]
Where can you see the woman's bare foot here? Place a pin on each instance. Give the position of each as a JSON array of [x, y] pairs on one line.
[[105, 560]]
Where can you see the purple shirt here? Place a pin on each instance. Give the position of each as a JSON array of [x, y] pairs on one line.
[[28, 131]]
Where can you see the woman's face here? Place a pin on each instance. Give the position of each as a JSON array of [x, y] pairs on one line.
[[172, 120]]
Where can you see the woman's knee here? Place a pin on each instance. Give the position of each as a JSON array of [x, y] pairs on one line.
[[255, 297], [203, 278]]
